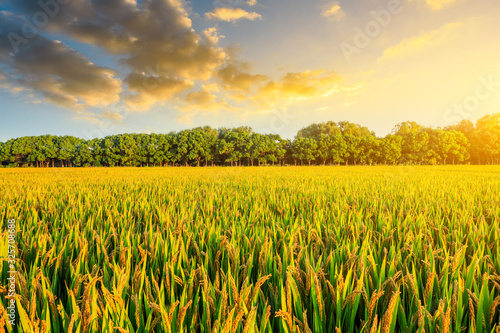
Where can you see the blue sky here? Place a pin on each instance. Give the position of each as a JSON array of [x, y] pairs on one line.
[[97, 68]]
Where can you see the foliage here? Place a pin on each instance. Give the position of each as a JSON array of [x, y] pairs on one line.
[[319, 144]]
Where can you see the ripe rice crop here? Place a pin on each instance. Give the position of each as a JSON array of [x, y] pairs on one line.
[[321, 249]]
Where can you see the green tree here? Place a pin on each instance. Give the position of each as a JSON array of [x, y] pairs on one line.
[[305, 149]]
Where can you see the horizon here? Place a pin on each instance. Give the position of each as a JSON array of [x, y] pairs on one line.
[[90, 70]]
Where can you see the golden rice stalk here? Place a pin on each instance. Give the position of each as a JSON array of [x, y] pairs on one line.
[[167, 278], [154, 323], [387, 319], [223, 303], [306, 328], [251, 314], [318, 295], [288, 294], [446, 321], [3, 317], [155, 307], [472, 316], [237, 320], [216, 324], [195, 319], [109, 298], [148, 290], [373, 302], [71, 323], [182, 313], [331, 289], [280, 264], [340, 283], [33, 306], [456, 259], [439, 310], [156, 288], [286, 316], [493, 307], [259, 284], [52, 302], [236, 295], [454, 300], [22, 282], [473, 297], [171, 314], [428, 286], [351, 297], [374, 325], [411, 281], [308, 279], [228, 324], [268, 314], [297, 273]]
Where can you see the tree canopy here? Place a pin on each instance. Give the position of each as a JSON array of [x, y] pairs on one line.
[[317, 144]]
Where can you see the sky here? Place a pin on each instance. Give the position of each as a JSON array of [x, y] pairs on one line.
[[93, 68]]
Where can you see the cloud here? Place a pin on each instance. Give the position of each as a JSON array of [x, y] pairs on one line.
[[60, 74], [439, 4], [294, 87], [160, 55], [204, 100], [231, 14], [234, 78], [113, 116], [155, 37], [424, 41], [147, 90], [333, 11], [235, 3]]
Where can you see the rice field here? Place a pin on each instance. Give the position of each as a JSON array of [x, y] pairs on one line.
[[277, 249]]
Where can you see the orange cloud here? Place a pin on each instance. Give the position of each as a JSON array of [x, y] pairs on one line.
[[231, 14], [333, 11]]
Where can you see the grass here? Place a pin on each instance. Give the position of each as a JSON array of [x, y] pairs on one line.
[[320, 249]]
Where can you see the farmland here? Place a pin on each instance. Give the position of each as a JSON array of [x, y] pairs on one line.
[[274, 249]]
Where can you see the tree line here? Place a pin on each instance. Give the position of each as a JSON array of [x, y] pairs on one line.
[[318, 144]]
